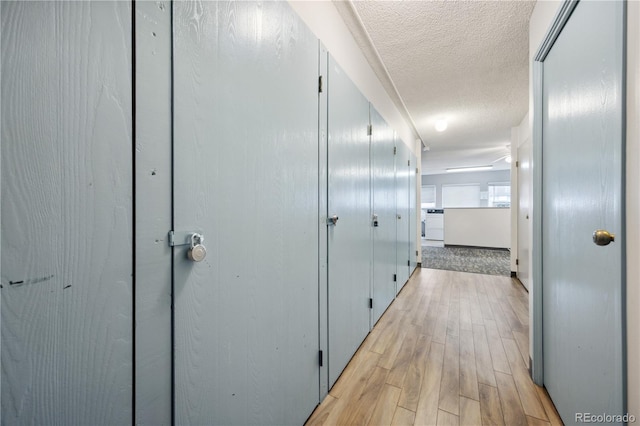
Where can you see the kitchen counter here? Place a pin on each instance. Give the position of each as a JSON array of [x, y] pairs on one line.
[[478, 227]]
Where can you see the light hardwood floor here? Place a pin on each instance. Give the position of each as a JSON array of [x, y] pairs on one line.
[[452, 349]]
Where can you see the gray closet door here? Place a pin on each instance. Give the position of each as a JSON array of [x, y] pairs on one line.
[[67, 189], [349, 240], [384, 214], [583, 115], [246, 177], [402, 214]]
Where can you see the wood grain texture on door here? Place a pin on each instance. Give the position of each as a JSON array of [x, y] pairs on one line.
[[349, 241], [246, 177], [67, 296], [582, 192]]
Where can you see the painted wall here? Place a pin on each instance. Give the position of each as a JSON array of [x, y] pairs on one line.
[[482, 178], [540, 22], [323, 19]]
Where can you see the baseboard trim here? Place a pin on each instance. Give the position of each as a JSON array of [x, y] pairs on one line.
[[477, 247]]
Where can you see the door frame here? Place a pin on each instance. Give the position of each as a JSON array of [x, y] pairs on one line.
[[536, 365]]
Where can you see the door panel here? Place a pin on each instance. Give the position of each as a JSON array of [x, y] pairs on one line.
[[323, 268], [246, 176], [384, 206], [413, 213], [402, 214], [524, 212], [350, 239], [582, 171], [67, 296]]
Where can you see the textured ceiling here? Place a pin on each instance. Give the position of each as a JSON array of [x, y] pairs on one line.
[[465, 61]]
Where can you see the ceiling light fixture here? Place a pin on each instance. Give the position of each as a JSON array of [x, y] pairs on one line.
[[468, 169], [441, 125], [508, 159]]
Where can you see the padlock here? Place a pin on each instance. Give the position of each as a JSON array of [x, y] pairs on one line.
[[197, 251]]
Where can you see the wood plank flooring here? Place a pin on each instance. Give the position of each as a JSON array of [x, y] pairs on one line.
[[452, 349]]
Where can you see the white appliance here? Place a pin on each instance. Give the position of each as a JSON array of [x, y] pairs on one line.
[[434, 225]]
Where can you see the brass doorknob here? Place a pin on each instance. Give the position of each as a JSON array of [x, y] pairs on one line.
[[603, 238]]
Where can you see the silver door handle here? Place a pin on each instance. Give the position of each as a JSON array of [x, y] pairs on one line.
[[333, 220], [603, 238]]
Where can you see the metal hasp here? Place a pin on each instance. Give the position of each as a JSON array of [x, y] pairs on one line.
[[603, 238], [197, 251], [333, 220], [375, 220]]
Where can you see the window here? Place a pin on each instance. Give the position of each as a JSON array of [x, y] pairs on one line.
[[466, 195], [499, 194], [428, 197]]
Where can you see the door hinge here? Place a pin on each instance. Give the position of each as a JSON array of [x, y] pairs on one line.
[[416, 170], [395, 278], [320, 84], [409, 163], [369, 130], [395, 150], [320, 360], [517, 164], [181, 238], [417, 253], [517, 261], [370, 303], [408, 263]]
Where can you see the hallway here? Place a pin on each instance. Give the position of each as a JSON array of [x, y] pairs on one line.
[[452, 349]]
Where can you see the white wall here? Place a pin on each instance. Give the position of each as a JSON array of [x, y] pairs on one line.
[[326, 23], [482, 178], [541, 19], [539, 24]]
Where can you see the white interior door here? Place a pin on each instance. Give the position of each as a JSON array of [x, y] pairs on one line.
[[413, 213], [402, 214], [583, 117], [524, 212], [246, 177]]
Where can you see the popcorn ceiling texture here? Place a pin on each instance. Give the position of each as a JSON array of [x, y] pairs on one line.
[[462, 60]]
